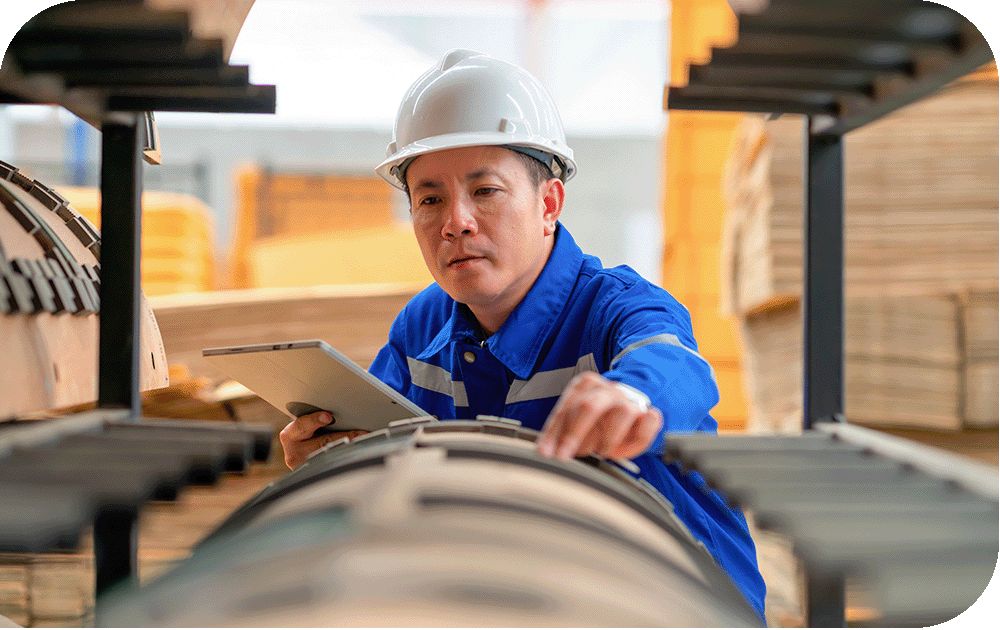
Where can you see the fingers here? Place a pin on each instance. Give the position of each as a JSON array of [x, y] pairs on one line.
[[565, 413], [617, 424], [590, 443], [640, 435], [594, 416], [303, 427], [615, 421], [590, 408], [297, 439]]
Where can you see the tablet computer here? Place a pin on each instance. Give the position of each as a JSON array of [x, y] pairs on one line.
[[300, 377]]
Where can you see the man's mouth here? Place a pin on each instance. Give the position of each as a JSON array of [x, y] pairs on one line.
[[463, 259]]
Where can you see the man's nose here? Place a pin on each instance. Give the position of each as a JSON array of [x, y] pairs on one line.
[[461, 220]]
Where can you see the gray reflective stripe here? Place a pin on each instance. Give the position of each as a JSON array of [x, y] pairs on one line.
[[667, 338], [437, 380], [550, 383]]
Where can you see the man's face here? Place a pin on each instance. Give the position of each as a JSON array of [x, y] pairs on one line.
[[484, 228]]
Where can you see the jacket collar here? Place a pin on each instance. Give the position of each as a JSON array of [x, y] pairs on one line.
[[519, 341]]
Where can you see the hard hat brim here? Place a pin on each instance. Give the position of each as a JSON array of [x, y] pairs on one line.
[[443, 142]]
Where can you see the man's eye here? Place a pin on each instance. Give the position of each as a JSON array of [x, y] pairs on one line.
[[429, 201], [486, 191]]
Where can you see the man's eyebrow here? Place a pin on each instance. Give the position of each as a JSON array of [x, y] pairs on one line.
[[483, 172], [434, 184], [428, 183]]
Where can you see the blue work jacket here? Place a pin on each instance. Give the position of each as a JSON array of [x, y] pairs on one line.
[[577, 316]]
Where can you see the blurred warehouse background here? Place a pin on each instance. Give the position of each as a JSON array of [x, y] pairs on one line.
[[343, 67], [265, 227]]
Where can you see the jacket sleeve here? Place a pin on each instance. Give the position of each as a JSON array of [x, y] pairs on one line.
[[650, 346], [390, 364]]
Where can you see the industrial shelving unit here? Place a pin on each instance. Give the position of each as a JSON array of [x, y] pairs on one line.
[[857, 504], [112, 63], [853, 500]]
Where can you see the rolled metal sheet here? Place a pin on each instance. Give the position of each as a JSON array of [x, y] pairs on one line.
[[457, 523]]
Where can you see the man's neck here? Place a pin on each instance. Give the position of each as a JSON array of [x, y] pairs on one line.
[[490, 324]]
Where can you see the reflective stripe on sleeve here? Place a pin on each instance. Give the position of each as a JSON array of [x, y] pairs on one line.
[[550, 383], [669, 339], [438, 380]]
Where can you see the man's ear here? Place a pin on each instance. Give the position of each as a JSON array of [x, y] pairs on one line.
[[554, 194]]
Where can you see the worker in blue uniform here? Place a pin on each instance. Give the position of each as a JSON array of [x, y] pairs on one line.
[[520, 323]]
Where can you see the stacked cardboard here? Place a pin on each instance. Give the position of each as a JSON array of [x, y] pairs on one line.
[[762, 233], [908, 362], [772, 360], [921, 241], [47, 590], [14, 591], [920, 197], [979, 332], [904, 361]]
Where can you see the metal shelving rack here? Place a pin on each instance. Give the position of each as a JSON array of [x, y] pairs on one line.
[[111, 63], [843, 65]]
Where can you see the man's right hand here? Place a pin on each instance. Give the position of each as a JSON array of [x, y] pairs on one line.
[[297, 437]]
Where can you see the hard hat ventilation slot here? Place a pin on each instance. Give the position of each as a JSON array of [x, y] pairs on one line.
[[455, 56]]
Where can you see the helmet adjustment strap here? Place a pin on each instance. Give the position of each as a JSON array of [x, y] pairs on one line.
[[551, 162]]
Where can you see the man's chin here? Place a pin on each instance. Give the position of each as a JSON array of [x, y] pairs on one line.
[[469, 295]]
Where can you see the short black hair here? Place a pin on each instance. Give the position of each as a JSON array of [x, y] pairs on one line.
[[537, 171]]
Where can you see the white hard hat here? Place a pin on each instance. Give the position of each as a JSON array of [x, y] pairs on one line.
[[471, 99]]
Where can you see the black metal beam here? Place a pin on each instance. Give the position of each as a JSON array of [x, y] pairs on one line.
[[9, 98], [847, 46], [110, 78], [791, 60], [741, 99], [871, 57], [33, 58], [850, 84], [126, 24], [98, 56], [823, 293], [121, 185], [250, 99], [928, 76], [910, 22]]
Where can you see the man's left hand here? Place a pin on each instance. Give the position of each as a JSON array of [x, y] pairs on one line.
[[594, 416]]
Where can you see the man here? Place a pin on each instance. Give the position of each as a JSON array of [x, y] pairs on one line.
[[520, 323]]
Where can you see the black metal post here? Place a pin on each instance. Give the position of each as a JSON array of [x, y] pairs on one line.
[[823, 291], [121, 186], [116, 543], [825, 601], [116, 530]]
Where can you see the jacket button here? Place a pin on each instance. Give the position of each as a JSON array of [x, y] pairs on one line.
[[469, 356]]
